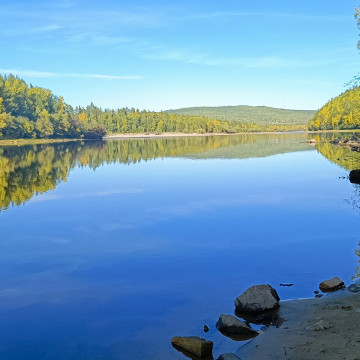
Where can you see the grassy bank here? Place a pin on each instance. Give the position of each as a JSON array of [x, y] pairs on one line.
[[34, 141]]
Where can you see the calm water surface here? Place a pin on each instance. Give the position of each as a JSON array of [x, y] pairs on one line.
[[109, 249]]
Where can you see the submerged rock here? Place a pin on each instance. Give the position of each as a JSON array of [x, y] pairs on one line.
[[228, 356], [354, 287], [266, 318], [257, 298], [194, 345], [231, 325], [206, 328], [331, 285]]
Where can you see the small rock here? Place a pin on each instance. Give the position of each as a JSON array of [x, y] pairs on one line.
[[206, 328], [318, 295], [331, 285], [230, 324], [282, 284], [257, 298], [312, 141], [228, 356], [194, 345], [354, 287], [321, 325], [316, 292]]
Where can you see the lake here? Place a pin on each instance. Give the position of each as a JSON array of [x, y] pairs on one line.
[[108, 249]]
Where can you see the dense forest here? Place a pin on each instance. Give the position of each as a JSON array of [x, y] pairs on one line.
[[342, 112], [260, 115], [34, 112]]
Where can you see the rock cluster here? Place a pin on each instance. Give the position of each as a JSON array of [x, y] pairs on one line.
[[257, 305], [353, 143], [256, 301]]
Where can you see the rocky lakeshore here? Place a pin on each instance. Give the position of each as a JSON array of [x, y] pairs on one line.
[[319, 328], [323, 327]]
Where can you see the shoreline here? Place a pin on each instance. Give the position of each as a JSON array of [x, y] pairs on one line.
[[292, 339], [164, 135], [9, 142], [18, 142]]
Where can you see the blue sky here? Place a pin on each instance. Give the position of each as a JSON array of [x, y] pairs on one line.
[[159, 55]]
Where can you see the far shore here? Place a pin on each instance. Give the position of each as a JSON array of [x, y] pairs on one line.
[[162, 135], [7, 142], [292, 340], [19, 142]]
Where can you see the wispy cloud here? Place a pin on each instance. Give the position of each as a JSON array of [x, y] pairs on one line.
[[45, 74], [266, 15], [265, 62], [90, 17], [38, 30]]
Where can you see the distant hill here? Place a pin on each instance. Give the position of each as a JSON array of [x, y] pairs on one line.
[[260, 115], [342, 112]]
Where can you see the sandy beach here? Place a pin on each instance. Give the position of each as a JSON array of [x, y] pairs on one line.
[[163, 135], [167, 135], [292, 340]]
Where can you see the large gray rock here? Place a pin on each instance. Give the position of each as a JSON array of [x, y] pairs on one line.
[[194, 345], [230, 324], [331, 285], [257, 298], [228, 356]]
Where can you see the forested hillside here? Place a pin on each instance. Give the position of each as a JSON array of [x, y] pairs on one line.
[[259, 115], [342, 112], [34, 112]]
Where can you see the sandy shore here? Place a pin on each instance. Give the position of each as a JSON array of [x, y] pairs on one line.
[[18, 142], [163, 135], [293, 341]]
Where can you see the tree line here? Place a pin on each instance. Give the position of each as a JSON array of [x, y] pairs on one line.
[[27, 111]]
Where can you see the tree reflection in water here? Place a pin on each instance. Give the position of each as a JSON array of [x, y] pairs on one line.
[[26, 171]]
